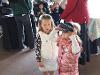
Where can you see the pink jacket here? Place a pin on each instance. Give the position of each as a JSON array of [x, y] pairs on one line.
[[67, 61]]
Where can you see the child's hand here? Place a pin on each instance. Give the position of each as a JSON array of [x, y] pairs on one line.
[[41, 64], [55, 5], [75, 31]]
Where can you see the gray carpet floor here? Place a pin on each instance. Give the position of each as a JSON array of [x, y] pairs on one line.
[[24, 63]]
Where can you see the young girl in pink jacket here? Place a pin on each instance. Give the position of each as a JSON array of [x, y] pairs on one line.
[[69, 47]]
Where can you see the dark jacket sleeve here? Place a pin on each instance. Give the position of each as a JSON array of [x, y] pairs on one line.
[[38, 48]]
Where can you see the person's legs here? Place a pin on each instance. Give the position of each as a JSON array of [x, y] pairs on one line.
[[85, 55], [20, 32], [52, 73], [29, 38], [33, 24], [45, 73], [98, 46]]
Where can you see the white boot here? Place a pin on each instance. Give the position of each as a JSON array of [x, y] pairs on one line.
[[98, 50]]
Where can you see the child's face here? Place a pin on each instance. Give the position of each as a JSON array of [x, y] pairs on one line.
[[46, 26], [41, 6]]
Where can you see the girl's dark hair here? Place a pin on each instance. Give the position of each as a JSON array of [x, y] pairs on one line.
[[66, 27]]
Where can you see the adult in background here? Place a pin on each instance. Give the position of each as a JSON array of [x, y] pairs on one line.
[[77, 11], [21, 11]]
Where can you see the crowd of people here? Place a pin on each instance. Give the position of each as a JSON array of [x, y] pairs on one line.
[[58, 45]]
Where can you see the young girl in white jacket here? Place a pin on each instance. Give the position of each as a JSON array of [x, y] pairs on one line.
[[46, 47]]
